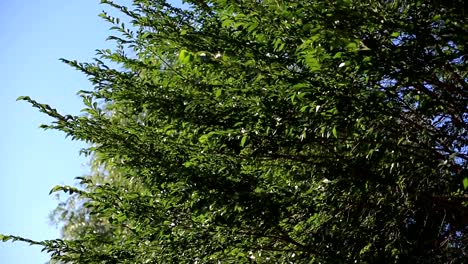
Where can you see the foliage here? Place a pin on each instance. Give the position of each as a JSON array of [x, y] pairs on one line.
[[275, 132]]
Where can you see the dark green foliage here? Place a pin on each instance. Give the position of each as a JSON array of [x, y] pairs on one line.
[[275, 132]]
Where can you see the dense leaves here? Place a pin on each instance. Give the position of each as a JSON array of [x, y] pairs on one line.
[[274, 132]]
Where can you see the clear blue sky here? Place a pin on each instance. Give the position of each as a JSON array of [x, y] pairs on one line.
[[34, 35]]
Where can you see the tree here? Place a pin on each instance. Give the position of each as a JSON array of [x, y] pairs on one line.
[[277, 132], [74, 219]]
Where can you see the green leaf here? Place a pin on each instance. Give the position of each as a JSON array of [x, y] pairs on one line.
[[401, 140], [465, 183], [352, 46], [23, 98], [185, 56], [203, 139], [335, 134], [55, 189], [243, 140], [312, 62], [338, 55], [4, 238]]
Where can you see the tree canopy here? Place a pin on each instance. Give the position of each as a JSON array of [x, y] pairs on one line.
[[273, 132]]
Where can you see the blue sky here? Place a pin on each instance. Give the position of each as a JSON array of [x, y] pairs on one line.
[[34, 35]]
